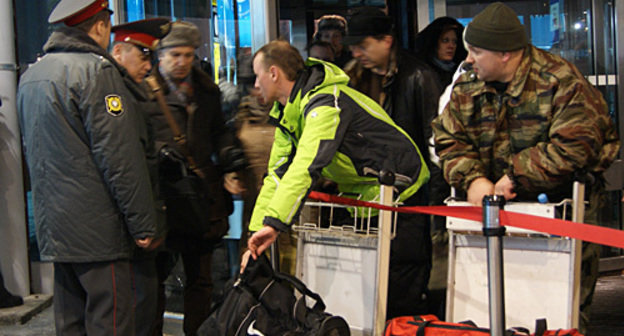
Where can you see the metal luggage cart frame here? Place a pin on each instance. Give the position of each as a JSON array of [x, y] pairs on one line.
[[337, 262], [530, 256]]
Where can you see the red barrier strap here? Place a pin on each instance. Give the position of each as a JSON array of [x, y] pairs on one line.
[[586, 232]]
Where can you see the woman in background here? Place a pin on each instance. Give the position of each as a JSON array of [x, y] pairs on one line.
[[440, 45]]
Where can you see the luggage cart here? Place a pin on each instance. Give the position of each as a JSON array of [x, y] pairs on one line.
[[541, 273], [348, 265]]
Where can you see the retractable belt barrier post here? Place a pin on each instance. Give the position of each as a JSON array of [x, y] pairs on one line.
[[494, 233]]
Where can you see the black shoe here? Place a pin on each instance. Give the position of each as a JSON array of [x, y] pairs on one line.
[[11, 301]]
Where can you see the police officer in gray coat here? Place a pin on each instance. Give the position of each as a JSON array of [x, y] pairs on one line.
[[91, 188]]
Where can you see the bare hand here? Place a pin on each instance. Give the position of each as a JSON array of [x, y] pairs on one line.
[[144, 243], [233, 184], [261, 240], [155, 243], [244, 260], [479, 188], [505, 187]]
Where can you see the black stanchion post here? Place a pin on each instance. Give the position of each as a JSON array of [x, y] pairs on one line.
[[494, 233]]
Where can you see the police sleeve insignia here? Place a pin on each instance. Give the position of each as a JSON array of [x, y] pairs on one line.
[[113, 105]]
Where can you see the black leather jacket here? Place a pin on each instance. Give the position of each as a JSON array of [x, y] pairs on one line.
[[411, 94]]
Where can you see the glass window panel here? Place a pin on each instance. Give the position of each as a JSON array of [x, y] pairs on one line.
[[560, 26]]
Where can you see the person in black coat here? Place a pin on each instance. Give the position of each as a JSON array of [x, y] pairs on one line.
[[195, 103], [332, 29], [440, 46], [408, 91]]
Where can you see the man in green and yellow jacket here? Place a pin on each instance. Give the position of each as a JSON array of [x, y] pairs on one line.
[[326, 128], [524, 122]]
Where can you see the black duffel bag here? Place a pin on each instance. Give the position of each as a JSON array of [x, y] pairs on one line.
[[262, 302]]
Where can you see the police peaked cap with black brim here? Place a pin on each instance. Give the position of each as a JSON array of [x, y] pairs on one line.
[[144, 34], [73, 12]]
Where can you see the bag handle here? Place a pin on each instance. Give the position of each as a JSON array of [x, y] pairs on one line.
[[263, 266], [422, 327], [303, 289], [178, 137]]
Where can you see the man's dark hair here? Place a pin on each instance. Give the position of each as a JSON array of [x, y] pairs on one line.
[[103, 15], [283, 55]]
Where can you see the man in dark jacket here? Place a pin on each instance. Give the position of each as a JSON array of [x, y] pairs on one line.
[[91, 190], [133, 47], [408, 91], [194, 101]]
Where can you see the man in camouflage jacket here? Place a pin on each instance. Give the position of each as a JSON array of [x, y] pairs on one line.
[[524, 122]]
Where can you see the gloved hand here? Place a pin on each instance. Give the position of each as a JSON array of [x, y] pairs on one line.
[[168, 153], [233, 159], [171, 164]]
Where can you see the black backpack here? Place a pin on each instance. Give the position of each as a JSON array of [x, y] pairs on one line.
[[262, 302]]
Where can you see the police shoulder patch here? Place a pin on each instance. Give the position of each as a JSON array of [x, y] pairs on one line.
[[113, 105]]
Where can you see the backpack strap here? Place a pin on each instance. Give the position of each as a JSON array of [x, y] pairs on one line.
[[178, 136]]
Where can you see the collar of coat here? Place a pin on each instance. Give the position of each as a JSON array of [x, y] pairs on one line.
[[200, 80], [71, 39], [317, 76]]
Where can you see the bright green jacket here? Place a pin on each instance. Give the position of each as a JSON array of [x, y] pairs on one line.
[[330, 129]]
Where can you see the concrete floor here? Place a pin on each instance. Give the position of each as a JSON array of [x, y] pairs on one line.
[[607, 312], [607, 316], [42, 324]]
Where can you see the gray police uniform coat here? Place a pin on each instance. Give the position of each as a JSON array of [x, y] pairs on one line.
[[91, 190]]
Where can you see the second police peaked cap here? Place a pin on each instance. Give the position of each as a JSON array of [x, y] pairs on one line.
[[145, 34], [73, 12]]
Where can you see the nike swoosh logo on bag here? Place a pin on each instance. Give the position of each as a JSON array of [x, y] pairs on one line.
[[252, 331]]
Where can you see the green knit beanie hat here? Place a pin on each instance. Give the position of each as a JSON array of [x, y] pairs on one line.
[[496, 28]]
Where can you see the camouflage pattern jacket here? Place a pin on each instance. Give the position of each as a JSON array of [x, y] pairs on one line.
[[548, 124]]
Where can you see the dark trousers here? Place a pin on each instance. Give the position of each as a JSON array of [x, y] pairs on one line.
[[145, 286], [410, 267], [93, 298], [197, 289]]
